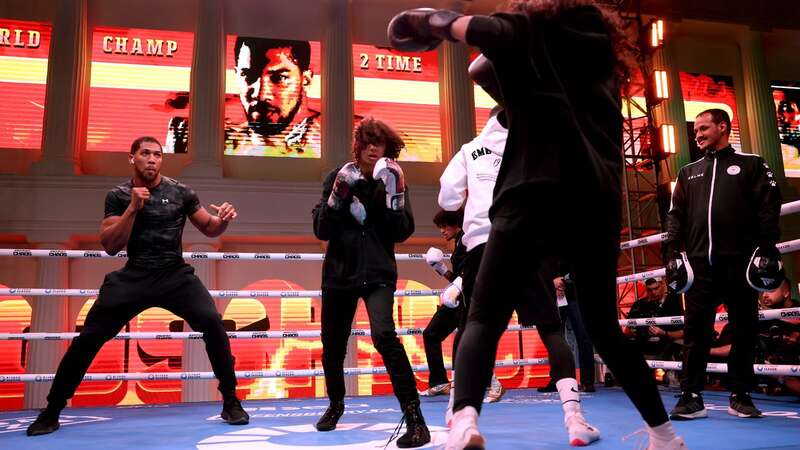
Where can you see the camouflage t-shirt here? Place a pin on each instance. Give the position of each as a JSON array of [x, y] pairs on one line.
[[155, 241]]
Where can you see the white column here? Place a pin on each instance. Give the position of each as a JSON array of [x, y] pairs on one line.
[[49, 314], [456, 98], [337, 87], [66, 101], [207, 92]]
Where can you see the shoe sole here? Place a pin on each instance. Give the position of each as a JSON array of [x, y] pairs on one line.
[[581, 442], [419, 444], [703, 413], [736, 413], [476, 443], [242, 421], [40, 433], [494, 399]]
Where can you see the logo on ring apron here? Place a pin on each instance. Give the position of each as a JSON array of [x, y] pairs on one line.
[[734, 170]]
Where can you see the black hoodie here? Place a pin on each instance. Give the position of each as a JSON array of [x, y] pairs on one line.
[[360, 255]]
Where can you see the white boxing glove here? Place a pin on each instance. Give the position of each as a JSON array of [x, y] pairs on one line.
[[388, 171], [435, 258], [452, 295]]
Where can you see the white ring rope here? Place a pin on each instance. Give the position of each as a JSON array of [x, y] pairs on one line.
[[783, 247], [228, 256], [772, 314], [249, 374], [46, 292], [759, 369], [769, 314], [786, 209], [190, 335]]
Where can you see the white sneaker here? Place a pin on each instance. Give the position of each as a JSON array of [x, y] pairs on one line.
[[675, 444], [494, 394], [439, 389], [464, 434], [580, 432]]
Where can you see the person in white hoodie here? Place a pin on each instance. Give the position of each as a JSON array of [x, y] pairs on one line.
[[469, 181]]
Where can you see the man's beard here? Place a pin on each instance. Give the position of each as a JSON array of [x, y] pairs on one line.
[[147, 175], [266, 128]]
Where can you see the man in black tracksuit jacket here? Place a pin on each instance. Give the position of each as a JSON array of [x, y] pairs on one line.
[[724, 206], [360, 263]]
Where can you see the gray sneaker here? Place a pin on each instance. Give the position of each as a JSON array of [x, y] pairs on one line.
[[690, 406], [741, 405]]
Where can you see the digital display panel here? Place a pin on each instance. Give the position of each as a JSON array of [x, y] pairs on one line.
[[786, 96], [702, 92], [23, 79], [272, 97], [139, 87], [401, 89]]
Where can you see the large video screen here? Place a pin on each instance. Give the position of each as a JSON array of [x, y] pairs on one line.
[[702, 92], [401, 89], [139, 87], [23, 78], [786, 95], [272, 97]]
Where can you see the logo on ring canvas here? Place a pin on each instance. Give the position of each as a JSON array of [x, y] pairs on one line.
[[363, 436]]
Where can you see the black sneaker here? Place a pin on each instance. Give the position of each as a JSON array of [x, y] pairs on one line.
[[741, 405], [46, 423], [690, 406], [233, 413], [331, 417], [417, 433], [549, 387]]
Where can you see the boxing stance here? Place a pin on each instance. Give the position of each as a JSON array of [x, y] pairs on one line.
[[146, 214], [559, 67], [469, 180], [364, 211]]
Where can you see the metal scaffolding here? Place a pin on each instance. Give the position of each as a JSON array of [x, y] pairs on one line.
[[642, 158]]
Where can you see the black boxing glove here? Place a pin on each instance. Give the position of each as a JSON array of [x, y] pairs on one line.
[[421, 29], [765, 269], [679, 273]]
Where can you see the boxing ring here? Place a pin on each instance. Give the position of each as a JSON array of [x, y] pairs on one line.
[[524, 419]]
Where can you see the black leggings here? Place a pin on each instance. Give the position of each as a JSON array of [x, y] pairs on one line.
[[519, 237], [443, 322], [126, 293], [338, 310], [562, 362]]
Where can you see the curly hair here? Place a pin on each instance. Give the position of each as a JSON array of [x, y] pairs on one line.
[[624, 49], [376, 132], [451, 218]]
